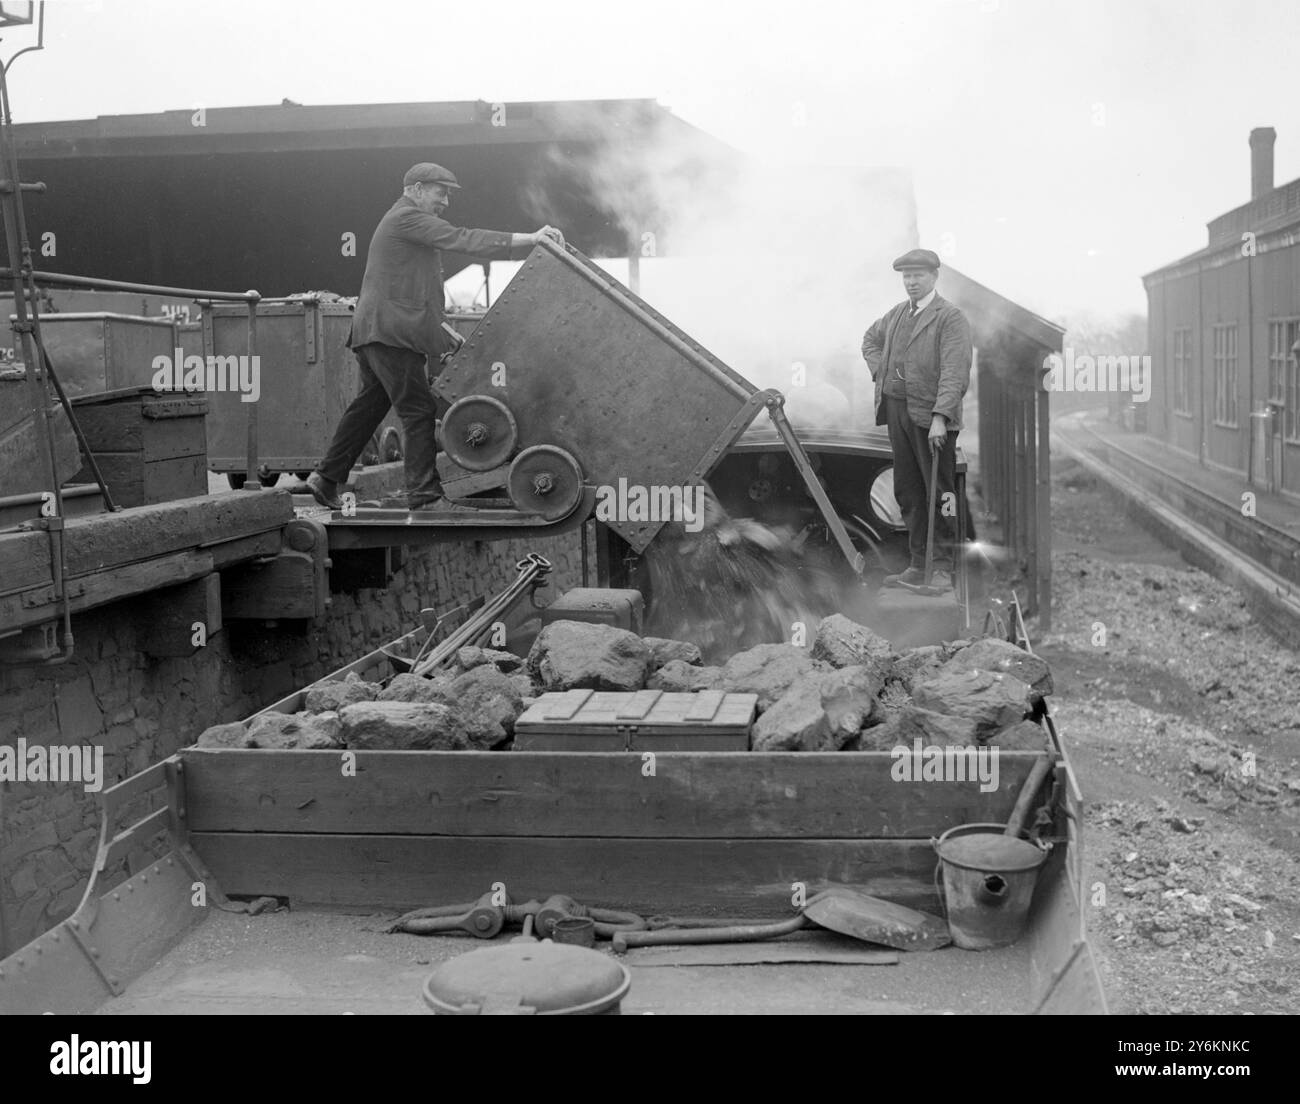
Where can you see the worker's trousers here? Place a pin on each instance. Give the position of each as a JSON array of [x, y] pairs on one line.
[[389, 377], [911, 445]]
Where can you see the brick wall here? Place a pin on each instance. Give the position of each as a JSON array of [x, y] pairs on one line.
[[141, 709]]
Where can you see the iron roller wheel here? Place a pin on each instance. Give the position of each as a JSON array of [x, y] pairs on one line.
[[479, 432], [390, 446], [545, 480]]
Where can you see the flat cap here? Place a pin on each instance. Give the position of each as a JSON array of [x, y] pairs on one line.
[[918, 258], [426, 172]]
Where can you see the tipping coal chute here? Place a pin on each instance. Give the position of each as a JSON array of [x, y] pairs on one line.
[[571, 379]]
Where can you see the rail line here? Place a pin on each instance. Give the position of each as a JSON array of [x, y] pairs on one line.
[[1259, 559]]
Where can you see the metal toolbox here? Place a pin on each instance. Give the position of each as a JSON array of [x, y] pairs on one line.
[[643, 720], [307, 378], [97, 352], [624, 609]]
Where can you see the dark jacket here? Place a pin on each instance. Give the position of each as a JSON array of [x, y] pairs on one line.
[[936, 365], [401, 301]]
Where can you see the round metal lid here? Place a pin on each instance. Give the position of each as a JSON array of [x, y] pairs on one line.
[[543, 979], [986, 851]]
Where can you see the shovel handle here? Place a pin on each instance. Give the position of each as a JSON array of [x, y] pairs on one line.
[[739, 933], [1037, 773], [929, 530]]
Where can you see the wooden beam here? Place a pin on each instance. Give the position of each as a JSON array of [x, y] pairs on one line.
[[293, 586], [1044, 515], [740, 878], [100, 588], [166, 619], [232, 552], [693, 796], [108, 541]]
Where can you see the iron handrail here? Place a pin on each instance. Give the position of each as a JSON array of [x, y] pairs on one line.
[[251, 298]]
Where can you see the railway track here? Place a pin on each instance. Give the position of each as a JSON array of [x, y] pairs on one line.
[[1258, 558]]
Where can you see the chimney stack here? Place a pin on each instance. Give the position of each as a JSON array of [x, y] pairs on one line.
[[1261, 160]]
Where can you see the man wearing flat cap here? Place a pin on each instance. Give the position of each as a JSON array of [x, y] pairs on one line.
[[398, 324], [920, 355]]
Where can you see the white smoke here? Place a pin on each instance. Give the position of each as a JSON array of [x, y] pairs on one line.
[[776, 268]]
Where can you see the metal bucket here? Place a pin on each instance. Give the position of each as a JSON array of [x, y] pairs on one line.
[[988, 882]]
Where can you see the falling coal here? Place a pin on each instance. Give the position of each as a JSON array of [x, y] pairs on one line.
[[738, 582]]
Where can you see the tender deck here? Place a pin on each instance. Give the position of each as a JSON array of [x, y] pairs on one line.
[[351, 839], [323, 962]]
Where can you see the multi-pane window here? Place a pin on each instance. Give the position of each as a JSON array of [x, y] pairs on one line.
[[1183, 371], [1225, 375], [1284, 373]]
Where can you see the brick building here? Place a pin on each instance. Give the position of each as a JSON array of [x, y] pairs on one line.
[[1223, 330]]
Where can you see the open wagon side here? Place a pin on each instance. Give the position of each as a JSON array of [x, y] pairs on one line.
[[732, 834]]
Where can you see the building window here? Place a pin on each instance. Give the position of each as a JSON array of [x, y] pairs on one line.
[[1284, 373], [1183, 371], [1225, 375]]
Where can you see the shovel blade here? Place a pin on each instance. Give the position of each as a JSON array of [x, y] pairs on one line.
[[876, 921]]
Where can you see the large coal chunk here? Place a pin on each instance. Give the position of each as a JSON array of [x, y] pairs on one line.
[[488, 701], [232, 735], [795, 722], [992, 654], [915, 665], [821, 711], [333, 696], [282, 731], [844, 643], [1024, 736], [403, 726], [470, 657], [577, 655], [677, 676], [935, 728], [664, 651], [992, 700], [407, 687], [768, 670]]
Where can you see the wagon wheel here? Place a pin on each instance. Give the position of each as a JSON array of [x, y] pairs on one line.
[[479, 432], [301, 476], [236, 480], [268, 479], [545, 480], [390, 445]]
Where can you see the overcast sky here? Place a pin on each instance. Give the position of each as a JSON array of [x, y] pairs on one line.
[[1059, 149]]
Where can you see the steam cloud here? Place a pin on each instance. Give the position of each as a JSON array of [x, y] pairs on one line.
[[768, 265]]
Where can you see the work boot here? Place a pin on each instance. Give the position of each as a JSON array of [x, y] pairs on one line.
[[941, 579], [913, 576], [325, 491]]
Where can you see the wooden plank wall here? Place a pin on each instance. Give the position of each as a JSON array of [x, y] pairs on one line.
[[727, 833]]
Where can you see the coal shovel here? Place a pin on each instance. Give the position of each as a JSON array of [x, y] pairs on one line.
[[838, 909]]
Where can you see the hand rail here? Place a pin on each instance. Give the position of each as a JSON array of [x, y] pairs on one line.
[[251, 297]]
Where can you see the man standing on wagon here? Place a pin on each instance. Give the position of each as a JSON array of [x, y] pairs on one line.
[[920, 357], [398, 325]]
